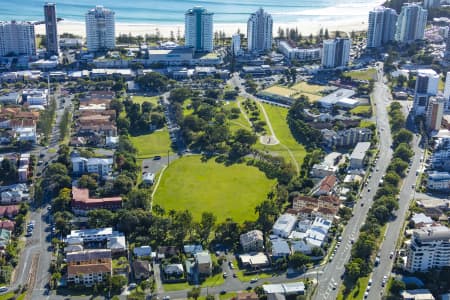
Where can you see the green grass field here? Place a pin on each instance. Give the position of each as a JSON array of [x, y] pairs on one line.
[[313, 92], [362, 75], [277, 116], [233, 191], [155, 143], [358, 291], [140, 99], [239, 123], [362, 110]]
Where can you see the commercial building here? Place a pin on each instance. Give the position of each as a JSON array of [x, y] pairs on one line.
[[336, 53], [259, 31], [236, 44], [51, 29], [435, 111], [291, 288], [199, 29], [17, 38], [382, 21], [411, 23], [427, 82], [252, 241], [428, 249], [333, 99], [438, 181], [305, 54], [35, 96], [100, 29], [358, 155]]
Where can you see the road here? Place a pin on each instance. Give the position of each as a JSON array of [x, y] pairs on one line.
[[394, 228], [39, 243], [330, 280]]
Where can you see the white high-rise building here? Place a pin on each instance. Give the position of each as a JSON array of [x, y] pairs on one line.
[[259, 31], [447, 92], [381, 28], [435, 111], [427, 82], [17, 38], [236, 44], [429, 249], [431, 3], [336, 53], [198, 23], [411, 23], [100, 29]]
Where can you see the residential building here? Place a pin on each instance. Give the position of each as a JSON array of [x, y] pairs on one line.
[[92, 235], [35, 96], [259, 31], [427, 4], [336, 53], [82, 203], [419, 294], [300, 54], [9, 211], [88, 267], [254, 260], [420, 220], [358, 156], [247, 296], [204, 263], [10, 98], [7, 224], [100, 166], [326, 186], [143, 251], [5, 238], [173, 269], [438, 181], [411, 23], [447, 90], [252, 241], [284, 225], [428, 249], [440, 160], [346, 138], [199, 29], [280, 248], [435, 111], [310, 207], [51, 29], [17, 38], [192, 249], [141, 269], [100, 29], [382, 21], [236, 44], [328, 166]]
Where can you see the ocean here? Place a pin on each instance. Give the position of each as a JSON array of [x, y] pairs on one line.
[[167, 12]]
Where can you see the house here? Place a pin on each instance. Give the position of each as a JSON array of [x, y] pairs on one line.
[[300, 246], [192, 249], [12, 196], [143, 251], [284, 225], [358, 156], [419, 294], [252, 241], [167, 251], [92, 235], [421, 219], [9, 211], [254, 260], [204, 263], [173, 269], [117, 244], [326, 186], [141, 269], [148, 178], [280, 248], [7, 224], [82, 203], [5, 235], [10, 98]]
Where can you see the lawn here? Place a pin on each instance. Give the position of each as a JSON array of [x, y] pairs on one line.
[[313, 92], [7, 296], [366, 123], [227, 191], [305, 87], [149, 145], [363, 110], [362, 75], [246, 278], [239, 123], [277, 116], [214, 280], [140, 99], [280, 91]]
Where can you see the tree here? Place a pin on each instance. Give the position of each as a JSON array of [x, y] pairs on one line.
[[404, 152], [62, 202], [299, 260], [139, 199], [206, 225], [122, 185], [88, 182], [153, 81], [8, 172], [267, 213], [403, 136], [397, 286], [101, 218], [117, 282], [392, 178], [179, 95], [194, 293]]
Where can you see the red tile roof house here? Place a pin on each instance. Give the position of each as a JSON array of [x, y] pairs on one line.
[[7, 224], [326, 186], [82, 203], [9, 211]]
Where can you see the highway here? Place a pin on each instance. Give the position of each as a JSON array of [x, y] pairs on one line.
[[331, 278]]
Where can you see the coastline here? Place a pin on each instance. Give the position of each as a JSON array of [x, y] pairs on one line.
[[306, 27]]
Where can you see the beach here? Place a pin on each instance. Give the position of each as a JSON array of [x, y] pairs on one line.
[[305, 27]]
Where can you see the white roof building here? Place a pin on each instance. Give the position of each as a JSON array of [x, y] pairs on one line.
[[284, 225]]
